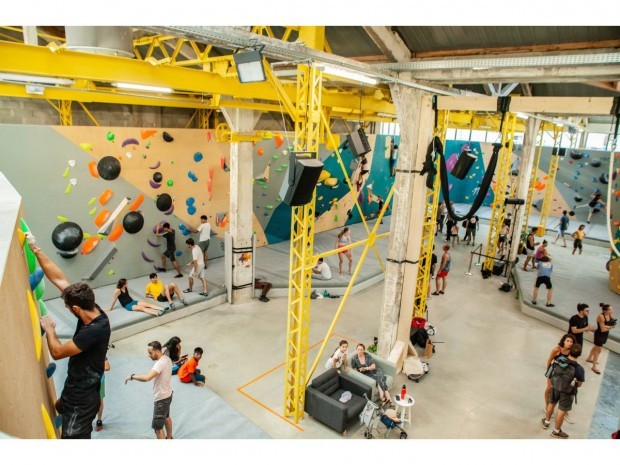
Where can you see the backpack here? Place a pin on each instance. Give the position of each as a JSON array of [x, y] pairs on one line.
[[563, 374]]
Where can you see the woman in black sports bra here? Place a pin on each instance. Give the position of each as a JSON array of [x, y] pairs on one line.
[[122, 294]]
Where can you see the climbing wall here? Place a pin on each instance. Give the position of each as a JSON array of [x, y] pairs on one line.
[[27, 393]]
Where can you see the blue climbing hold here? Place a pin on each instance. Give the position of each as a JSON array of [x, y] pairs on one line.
[[35, 278], [190, 201], [178, 253], [191, 209], [49, 371], [197, 157]]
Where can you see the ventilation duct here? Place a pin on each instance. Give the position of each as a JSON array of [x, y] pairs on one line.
[[102, 40]]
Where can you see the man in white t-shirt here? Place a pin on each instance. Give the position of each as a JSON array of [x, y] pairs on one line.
[[198, 267], [321, 271], [162, 392], [205, 237]]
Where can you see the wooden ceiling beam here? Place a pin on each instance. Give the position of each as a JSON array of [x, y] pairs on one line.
[[389, 42], [521, 49]]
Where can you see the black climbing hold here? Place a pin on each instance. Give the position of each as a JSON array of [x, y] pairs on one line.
[[157, 177], [167, 137], [133, 222], [67, 236], [109, 168], [163, 202]]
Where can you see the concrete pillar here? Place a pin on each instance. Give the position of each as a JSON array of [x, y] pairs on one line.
[[523, 181], [241, 213], [415, 115]]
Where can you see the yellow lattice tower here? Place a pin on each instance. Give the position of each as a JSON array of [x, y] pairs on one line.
[[429, 226], [534, 172], [309, 86], [502, 178], [66, 117], [203, 118], [545, 209]]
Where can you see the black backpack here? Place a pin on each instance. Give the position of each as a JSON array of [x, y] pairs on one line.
[[563, 374]]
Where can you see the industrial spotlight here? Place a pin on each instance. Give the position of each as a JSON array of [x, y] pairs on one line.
[[250, 66]]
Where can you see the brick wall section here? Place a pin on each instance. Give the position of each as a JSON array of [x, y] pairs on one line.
[[38, 111]]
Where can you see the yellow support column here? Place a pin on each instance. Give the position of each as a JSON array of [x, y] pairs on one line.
[[66, 117], [429, 226], [553, 169], [502, 178], [530, 190], [307, 125], [203, 118]]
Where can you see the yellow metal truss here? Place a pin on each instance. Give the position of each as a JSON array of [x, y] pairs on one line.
[[545, 209], [533, 173], [309, 85], [64, 112], [502, 179], [429, 226]]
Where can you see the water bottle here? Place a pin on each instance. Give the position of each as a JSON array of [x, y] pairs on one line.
[[403, 392]]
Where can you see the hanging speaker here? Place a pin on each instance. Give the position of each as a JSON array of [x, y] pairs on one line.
[[560, 152], [514, 201], [464, 164], [358, 143], [304, 173]]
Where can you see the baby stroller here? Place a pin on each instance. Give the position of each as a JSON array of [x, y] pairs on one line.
[[376, 420]]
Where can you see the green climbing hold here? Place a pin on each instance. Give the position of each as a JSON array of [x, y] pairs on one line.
[[110, 135], [279, 170], [275, 157], [284, 165], [269, 207], [92, 212], [335, 218], [110, 273], [170, 182], [92, 201], [148, 144], [66, 173]]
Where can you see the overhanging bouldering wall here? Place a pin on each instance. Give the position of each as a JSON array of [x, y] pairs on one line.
[[27, 395]]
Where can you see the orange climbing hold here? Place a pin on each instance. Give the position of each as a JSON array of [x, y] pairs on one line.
[[224, 221], [102, 217], [146, 133], [90, 245], [136, 204], [105, 196], [116, 232], [92, 167], [279, 140], [260, 151]]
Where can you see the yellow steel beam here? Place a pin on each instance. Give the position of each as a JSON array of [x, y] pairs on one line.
[[308, 111], [429, 225], [502, 178], [533, 173], [313, 36], [33, 60], [545, 209]]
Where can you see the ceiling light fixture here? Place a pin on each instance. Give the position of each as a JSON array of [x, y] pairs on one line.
[[344, 73], [28, 79], [250, 66], [145, 88]]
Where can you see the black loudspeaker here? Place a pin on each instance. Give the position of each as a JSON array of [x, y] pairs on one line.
[[464, 164], [358, 143], [514, 202], [304, 173], [559, 152]]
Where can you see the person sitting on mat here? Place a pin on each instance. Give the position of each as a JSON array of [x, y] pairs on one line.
[[172, 349], [266, 286], [122, 294], [189, 372], [162, 293]]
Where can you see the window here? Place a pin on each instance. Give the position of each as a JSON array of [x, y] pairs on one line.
[[389, 129], [493, 136], [596, 141], [462, 134], [451, 134], [478, 136]]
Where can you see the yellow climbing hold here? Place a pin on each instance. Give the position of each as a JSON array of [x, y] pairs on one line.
[[86, 146], [62, 219], [66, 174], [68, 189], [36, 326], [22, 237], [50, 432], [92, 212], [110, 273], [86, 235], [92, 201], [324, 175], [331, 182]]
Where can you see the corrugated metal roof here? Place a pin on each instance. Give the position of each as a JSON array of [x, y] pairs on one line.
[[350, 41], [434, 38]]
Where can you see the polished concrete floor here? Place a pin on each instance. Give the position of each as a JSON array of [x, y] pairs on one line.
[[486, 378]]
